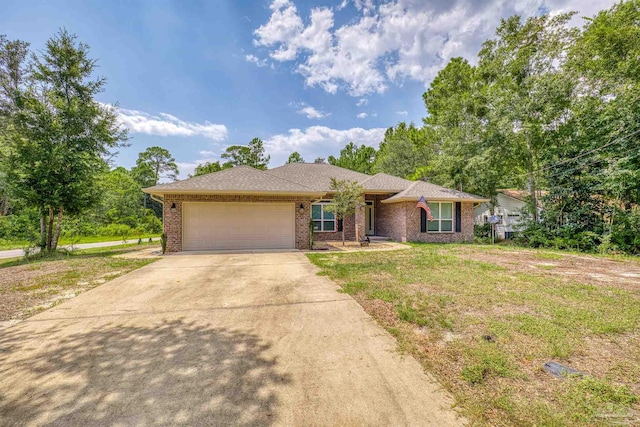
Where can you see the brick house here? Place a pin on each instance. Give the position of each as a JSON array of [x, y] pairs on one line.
[[246, 208]]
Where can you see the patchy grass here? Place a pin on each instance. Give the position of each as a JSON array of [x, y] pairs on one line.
[[21, 244], [28, 286], [485, 321]]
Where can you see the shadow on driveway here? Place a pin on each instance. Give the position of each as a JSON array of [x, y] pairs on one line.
[[172, 373]]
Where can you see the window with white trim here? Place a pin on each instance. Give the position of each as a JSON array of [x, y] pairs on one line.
[[442, 213], [322, 221]]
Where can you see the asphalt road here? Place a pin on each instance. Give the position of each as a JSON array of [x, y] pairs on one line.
[[214, 339]]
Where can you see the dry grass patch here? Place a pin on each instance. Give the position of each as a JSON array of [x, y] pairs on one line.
[[30, 286], [485, 322]]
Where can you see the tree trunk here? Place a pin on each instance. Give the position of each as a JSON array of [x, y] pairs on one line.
[[56, 236], [50, 230], [532, 182], [43, 231], [343, 233], [5, 206]]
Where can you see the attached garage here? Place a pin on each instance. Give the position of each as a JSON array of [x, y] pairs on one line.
[[225, 225]]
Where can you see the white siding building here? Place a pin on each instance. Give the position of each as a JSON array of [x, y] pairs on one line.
[[509, 208]]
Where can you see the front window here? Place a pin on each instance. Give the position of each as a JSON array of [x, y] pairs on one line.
[[322, 221], [442, 217]]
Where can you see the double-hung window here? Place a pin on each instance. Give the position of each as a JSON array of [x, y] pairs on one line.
[[442, 213], [322, 221]]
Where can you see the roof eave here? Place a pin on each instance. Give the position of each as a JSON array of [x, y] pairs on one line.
[[439, 199], [162, 192]]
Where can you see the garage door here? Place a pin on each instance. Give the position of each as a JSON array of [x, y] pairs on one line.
[[210, 226]]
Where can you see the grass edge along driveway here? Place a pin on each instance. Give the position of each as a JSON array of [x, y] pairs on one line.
[[485, 331], [29, 286]]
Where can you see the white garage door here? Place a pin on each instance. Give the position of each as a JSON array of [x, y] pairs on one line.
[[208, 226]]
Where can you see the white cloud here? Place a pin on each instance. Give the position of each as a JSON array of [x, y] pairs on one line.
[[362, 115], [318, 141], [165, 124], [402, 113], [207, 153], [255, 60], [394, 40], [312, 113], [362, 101]]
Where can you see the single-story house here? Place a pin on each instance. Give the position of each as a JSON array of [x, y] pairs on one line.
[[247, 208], [510, 208]]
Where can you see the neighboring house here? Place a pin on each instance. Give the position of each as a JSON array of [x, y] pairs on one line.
[[246, 208], [511, 206]]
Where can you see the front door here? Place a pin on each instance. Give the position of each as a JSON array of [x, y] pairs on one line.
[[369, 219]]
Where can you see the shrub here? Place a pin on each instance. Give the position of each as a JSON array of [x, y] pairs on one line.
[[19, 227], [163, 242]]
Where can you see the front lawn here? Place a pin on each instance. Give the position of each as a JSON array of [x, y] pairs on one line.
[[30, 286], [484, 321]]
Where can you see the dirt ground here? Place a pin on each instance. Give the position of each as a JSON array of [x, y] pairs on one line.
[[623, 273], [35, 286]]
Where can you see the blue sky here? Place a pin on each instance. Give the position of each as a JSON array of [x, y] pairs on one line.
[[197, 76]]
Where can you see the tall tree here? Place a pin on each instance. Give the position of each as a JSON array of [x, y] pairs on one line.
[[356, 158], [153, 164], [320, 160], [295, 157], [252, 155], [13, 76], [64, 135], [530, 93], [405, 151], [208, 167], [471, 154]]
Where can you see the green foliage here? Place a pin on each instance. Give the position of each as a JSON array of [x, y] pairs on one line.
[[208, 167], [19, 226], [347, 198], [153, 164], [295, 157], [64, 134], [163, 242], [252, 155], [404, 151], [356, 158]]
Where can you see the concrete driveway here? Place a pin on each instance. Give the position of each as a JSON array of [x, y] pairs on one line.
[[213, 339]]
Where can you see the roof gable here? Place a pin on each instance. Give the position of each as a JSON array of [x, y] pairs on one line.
[[316, 176], [432, 192]]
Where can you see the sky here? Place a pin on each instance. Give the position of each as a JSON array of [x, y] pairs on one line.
[[310, 76]]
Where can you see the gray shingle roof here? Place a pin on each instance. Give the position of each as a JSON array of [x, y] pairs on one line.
[[385, 182], [432, 192], [241, 179], [312, 179], [316, 175]]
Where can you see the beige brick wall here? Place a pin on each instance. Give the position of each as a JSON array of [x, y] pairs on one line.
[[390, 220], [398, 221], [413, 226], [173, 220]]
